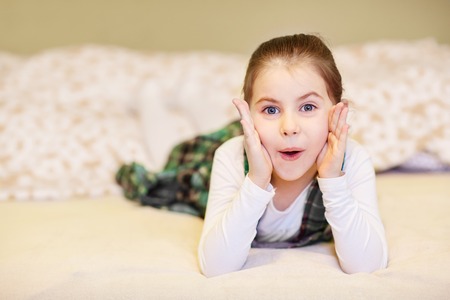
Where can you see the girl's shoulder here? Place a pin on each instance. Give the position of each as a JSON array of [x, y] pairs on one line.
[[354, 148], [356, 155], [231, 151], [229, 158], [234, 145]]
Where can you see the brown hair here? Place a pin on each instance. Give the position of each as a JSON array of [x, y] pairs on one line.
[[291, 50]]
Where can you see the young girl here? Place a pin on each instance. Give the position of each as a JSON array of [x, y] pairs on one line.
[[293, 178]]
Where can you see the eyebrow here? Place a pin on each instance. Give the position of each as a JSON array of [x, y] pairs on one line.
[[307, 95]]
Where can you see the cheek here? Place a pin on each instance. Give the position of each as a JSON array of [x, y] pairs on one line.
[[324, 136], [321, 131], [267, 130], [264, 130], [324, 125]]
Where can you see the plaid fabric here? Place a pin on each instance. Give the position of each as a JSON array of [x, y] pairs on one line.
[[183, 186], [184, 182], [314, 227]]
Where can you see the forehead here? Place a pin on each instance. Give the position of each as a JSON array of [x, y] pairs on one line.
[[298, 78]]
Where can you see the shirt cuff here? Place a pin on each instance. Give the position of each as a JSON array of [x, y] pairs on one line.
[[253, 189], [334, 190]]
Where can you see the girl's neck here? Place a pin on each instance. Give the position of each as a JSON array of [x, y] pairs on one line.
[[287, 191]]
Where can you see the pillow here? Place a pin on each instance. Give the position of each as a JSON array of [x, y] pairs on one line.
[[192, 95], [438, 141], [67, 122], [70, 117], [400, 98], [423, 162]]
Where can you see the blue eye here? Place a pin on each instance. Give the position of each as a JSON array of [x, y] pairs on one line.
[[308, 107], [271, 110]]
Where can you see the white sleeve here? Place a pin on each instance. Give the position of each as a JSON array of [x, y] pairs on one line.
[[352, 211], [235, 204]]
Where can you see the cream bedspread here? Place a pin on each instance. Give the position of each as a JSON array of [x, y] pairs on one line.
[[70, 116], [110, 248]]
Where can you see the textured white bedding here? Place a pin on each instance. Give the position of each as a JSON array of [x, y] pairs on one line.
[[111, 248], [69, 117]]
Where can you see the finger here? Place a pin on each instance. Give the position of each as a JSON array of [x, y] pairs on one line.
[[330, 117], [266, 153], [246, 121], [342, 121], [334, 115], [238, 106], [339, 113], [248, 129], [344, 134], [244, 111]]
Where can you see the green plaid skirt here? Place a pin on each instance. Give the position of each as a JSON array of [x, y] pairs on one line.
[[183, 185]]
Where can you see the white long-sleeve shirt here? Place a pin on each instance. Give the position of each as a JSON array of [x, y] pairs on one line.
[[238, 211]]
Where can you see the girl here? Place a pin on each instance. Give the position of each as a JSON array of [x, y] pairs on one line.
[[293, 178]]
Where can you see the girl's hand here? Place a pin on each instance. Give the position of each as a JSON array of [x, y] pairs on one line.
[[259, 162], [330, 159]]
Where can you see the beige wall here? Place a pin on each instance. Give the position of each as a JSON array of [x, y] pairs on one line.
[[27, 26]]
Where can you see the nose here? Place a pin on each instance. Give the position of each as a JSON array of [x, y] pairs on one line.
[[289, 125]]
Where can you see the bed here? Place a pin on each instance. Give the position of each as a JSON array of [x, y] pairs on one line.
[[69, 117]]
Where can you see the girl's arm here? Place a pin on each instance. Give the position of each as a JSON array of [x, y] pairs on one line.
[[235, 205], [350, 198], [352, 212]]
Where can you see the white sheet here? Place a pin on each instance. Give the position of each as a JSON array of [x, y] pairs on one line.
[[111, 248]]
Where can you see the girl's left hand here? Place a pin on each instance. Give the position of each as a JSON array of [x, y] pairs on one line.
[[330, 159]]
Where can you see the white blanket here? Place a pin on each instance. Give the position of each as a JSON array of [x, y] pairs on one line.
[[69, 117], [111, 248]]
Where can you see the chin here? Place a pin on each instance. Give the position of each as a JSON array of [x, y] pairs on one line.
[[293, 173], [289, 175]]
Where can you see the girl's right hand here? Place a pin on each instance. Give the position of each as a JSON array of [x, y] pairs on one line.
[[259, 162]]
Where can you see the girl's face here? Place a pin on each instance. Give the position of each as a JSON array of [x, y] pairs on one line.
[[290, 109]]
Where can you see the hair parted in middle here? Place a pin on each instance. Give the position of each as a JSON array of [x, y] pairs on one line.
[[294, 50]]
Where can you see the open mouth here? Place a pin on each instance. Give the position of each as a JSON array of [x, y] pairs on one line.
[[291, 154]]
